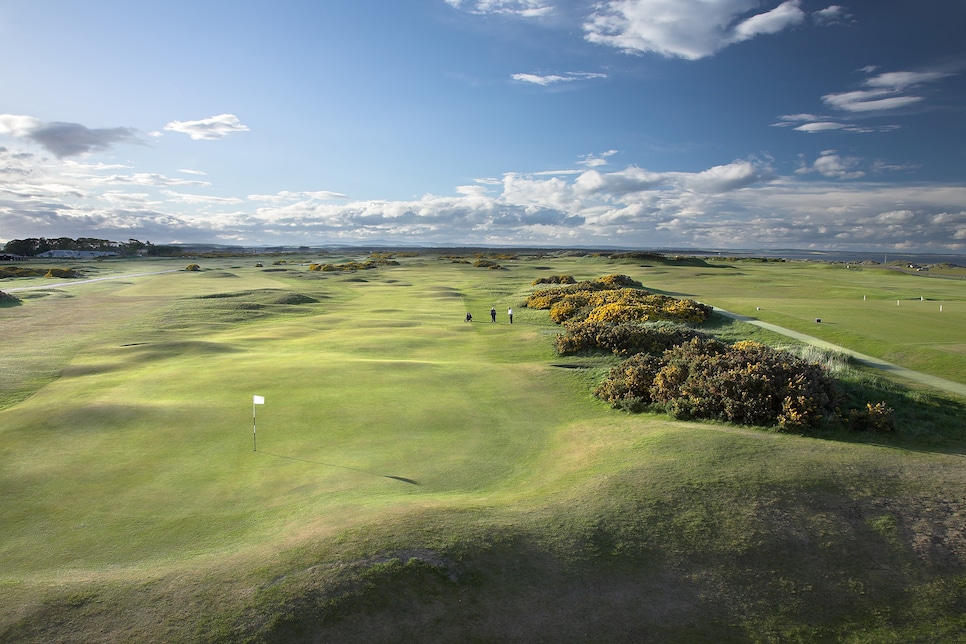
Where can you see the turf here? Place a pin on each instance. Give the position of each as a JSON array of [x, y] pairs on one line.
[[419, 477]]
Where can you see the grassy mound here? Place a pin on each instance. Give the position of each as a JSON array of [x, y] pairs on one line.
[[418, 478]]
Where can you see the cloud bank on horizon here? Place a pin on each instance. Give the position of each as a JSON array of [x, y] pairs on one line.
[[632, 123]]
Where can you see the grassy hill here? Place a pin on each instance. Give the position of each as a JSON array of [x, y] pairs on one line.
[[422, 478]]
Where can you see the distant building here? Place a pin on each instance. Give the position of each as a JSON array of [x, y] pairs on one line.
[[12, 258]]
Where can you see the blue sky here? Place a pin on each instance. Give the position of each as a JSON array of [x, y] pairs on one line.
[[630, 123]]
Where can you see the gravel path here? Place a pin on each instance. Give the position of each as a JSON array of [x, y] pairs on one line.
[[88, 281], [941, 384]]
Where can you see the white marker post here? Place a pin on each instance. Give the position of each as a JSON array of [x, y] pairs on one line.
[[256, 400]]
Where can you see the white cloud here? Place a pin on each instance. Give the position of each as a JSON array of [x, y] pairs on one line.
[[820, 126], [147, 179], [690, 29], [832, 15], [180, 197], [522, 8], [830, 164], [869, 100], [778, 19], [550, 79], [813, 123], [898, 81], [596, 160], [19, 126], [214, 127], [887, 93], [737, 204], [326, 195]]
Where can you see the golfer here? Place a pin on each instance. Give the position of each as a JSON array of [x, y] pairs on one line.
[[493, 314], [509, 312]]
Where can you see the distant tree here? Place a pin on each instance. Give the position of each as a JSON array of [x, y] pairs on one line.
[[22, 247]]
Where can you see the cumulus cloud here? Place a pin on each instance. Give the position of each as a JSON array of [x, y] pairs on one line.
[[214, 127], [65, 139], [831, 164], [830, 203], [690, 29], [550, 79]]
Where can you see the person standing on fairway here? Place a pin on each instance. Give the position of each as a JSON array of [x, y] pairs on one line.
[[509, 312], [493, 314]]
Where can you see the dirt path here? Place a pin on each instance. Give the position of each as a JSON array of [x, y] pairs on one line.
[[87, 281], [935, 382]]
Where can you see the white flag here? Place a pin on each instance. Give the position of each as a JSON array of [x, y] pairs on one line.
[[258, 400]]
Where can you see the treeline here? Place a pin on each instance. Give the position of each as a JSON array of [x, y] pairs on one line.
[[33, 246]]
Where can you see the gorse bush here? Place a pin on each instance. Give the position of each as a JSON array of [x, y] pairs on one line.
[[353, 266], [624, 338], [746, 383], [192, 267], [62, 273], [543, 299], [21, 271], [877, 419], [555, 279], [649, 308], [618, 280]]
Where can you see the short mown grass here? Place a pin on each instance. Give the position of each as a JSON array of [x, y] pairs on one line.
[[418, 477]]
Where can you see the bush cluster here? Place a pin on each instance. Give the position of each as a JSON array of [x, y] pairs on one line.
[[21, 271], [62, 273], [543, 299], [353, 266], [624, 338], [487, 263], [192, 267], [615, 306], [554, 279], [746, 383]]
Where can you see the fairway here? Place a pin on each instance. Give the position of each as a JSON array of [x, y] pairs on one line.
[[408, 461]]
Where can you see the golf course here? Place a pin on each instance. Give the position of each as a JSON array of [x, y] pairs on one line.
[[411, 476]]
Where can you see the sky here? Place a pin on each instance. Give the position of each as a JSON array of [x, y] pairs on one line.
[[637, 124]]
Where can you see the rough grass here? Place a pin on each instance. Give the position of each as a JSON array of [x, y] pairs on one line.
[[418, 477]]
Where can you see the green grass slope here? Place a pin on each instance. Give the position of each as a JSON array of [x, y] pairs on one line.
[[422, 478]]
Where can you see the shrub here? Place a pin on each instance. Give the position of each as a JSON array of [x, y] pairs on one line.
[[628, 385], [623, 339], [62, 273], [746, 383], [192, 267], [617, 281], [877, 419], [555, 279]]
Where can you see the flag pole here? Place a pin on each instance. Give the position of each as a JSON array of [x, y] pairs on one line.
[[256, 400]]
